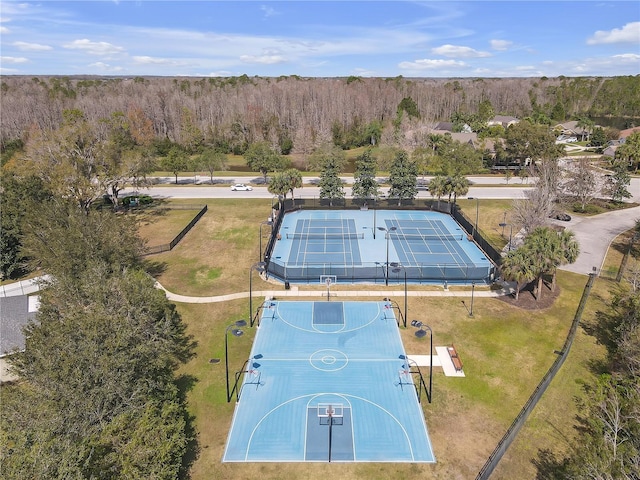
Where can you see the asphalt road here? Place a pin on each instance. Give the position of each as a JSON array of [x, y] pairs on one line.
[[308, 191], [595, 234]]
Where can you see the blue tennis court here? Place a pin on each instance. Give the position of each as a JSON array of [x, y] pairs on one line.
[[376, 245], [326, 381]]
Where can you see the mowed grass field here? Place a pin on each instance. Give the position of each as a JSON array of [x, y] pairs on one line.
[[505, 350]]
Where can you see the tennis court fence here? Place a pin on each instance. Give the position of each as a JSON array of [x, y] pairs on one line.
[[377, 271]]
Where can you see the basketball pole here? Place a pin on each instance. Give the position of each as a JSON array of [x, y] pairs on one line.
[[330, 412]]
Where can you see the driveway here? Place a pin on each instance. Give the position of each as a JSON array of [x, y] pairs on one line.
[[595, 235]]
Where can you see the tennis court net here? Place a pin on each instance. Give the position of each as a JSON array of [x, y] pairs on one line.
[[417, 237], [337, 236]]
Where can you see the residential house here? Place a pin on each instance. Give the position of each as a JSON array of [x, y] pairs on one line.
[[612, 145], [625, 133], [503, 120], [571, 129], [448, 127], [19, 303]]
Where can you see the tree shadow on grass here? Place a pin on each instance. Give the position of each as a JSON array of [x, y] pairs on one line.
[[527, 299], [550, 467], [154, 268], [185, 383]]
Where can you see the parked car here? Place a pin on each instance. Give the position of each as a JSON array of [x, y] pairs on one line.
[[566, 139], [241, 187], [565, 217]]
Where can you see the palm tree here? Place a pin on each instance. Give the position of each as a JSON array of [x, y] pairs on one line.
[[586, 124], [547, 249], [437, 187], [293, 178], [539, 246], [567, 251], [517, 267], [459, 186]]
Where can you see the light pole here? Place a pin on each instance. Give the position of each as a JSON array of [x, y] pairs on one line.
[[374, 222], [267, 222], [420, 333], [396, 268], [235, 330], [473, 287], [510, 232], [386, 235], [475, 229], [259, 267]]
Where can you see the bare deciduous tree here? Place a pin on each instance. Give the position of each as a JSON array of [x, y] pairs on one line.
[[581, 182]]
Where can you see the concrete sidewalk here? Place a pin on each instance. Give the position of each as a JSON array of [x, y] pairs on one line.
[[295, 291]]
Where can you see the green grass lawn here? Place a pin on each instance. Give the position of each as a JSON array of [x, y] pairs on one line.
[[505, 350]]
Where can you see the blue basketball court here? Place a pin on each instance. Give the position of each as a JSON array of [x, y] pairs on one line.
[[377, 246], [327, 381]]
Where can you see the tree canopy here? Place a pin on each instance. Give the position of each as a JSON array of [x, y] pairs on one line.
[[97, 396], [607, 443], [403, 177], [542, 252], [261, 157], [61, 241], [364, 178], [285, 182]]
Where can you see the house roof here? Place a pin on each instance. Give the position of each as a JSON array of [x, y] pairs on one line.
[[571, 127], [503, 120], [625, 133], [610, 151], [444, 126], [462, 137], [489, 144], [14, 315]]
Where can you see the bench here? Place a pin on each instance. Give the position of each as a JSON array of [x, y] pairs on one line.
[[457, 363]]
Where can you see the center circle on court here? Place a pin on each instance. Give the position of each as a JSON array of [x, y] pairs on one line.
[[328, 360]]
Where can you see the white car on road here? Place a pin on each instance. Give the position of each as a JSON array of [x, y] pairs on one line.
[[241, 187]]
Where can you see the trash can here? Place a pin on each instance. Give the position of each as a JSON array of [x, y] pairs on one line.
[[287, 286]]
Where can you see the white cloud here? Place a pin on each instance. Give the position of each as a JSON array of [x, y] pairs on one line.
[[268, 11], [430, 64], [31, 47], [456, 51], [13, 60], [105, 67], [94, 48], [501, 45], [634, 57], [263, 59], [630, 33], [363, 72], [145, 60], [4, 29], [221, 73]]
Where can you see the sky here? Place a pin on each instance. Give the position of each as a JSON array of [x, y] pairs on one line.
[[479, 38]]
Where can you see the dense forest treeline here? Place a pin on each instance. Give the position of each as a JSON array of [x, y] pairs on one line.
[[296, 113]]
